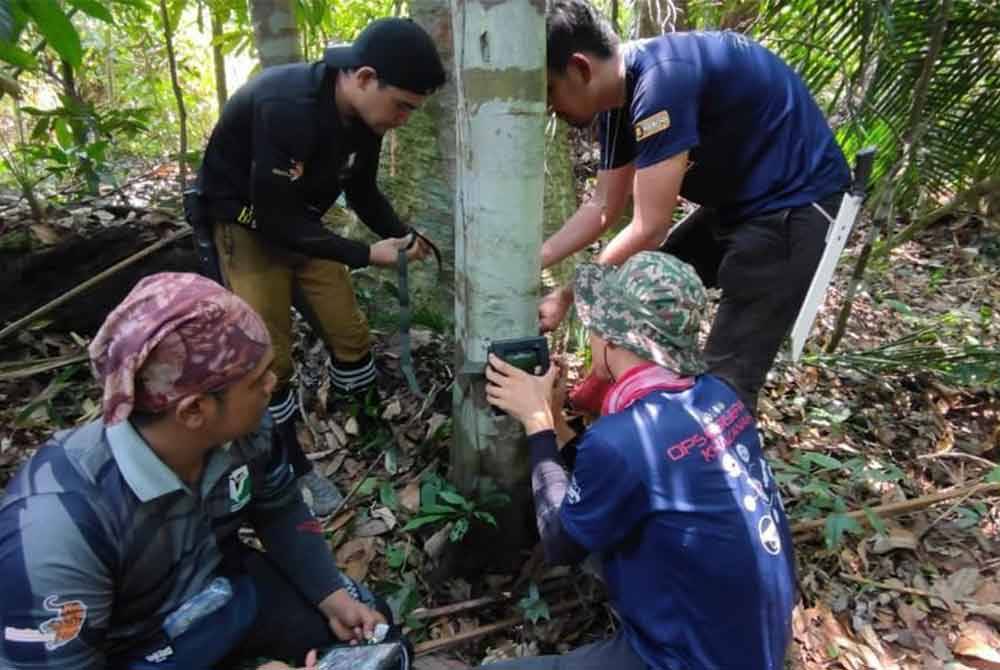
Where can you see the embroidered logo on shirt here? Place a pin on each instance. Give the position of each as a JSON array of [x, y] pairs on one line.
[[770, 539], [239, 488], [297, 169], [57, 631], [312, 526], [651, 125], [160, 655], [573, 492], [347, 169]]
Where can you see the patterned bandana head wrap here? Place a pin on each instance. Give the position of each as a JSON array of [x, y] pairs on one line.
[[174, 335]]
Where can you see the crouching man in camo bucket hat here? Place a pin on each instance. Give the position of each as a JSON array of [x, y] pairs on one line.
[[119, 543], [669, 486]]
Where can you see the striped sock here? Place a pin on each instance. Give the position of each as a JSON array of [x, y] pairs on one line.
[[283, 406], [352, 377]]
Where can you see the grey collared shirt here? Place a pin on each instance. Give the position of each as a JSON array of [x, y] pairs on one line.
[[100, 541]]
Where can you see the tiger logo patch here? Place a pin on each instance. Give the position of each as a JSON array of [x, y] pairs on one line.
[[66, 625], [56, 632]]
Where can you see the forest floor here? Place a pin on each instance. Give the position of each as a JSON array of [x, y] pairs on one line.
[[849, 432]]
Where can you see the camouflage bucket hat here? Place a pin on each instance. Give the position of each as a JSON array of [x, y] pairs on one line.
[[651, 305]]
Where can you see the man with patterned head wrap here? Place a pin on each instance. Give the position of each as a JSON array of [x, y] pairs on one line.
[[119, 543], [669, 487]]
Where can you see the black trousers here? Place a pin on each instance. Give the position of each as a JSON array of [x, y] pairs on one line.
[[764, 266], [287, 624]]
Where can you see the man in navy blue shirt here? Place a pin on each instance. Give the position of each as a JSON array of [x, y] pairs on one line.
[[723, 122], [670, 488]]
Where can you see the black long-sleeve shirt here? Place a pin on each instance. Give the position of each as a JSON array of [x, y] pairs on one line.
[[282, 148]]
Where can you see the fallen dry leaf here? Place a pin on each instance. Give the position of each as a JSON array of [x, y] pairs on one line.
[[392, 410], [435, 544], [898, 538], [337, 432], [409, 497], [988, 592], [354, 557], [991, 612], [825, 639], [385, 514], [433, 424], [45, 233], [333, 466], [960, 584], [372, 528], [979, 641]]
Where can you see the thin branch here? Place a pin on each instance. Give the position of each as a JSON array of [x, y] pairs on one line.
[[906, 589], [168, 36], [917, 125], [957, 454], [478, 603], [21, 369], [973, 193], [468, 636], [903, 507]]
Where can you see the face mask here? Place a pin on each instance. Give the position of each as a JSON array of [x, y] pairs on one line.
[[588, 395]]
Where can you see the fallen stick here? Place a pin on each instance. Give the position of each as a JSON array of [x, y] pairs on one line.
[[907, 590], [457, 640], [902, 507], [476, 603], [989, 611], [17, 370], [354, 489], [72, 293]]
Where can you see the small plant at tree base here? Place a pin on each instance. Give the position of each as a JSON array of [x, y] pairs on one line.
[[440, 504], [533, 605]]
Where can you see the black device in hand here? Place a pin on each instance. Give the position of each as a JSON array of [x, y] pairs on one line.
[[530, 354]]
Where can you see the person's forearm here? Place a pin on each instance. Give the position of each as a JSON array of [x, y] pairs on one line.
[[296, 544], [563, 432], [586, 225], [375, 211], [630, 241], [317, 242], [549, 483], [539, 421]]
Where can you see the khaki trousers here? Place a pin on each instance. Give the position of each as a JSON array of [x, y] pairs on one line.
[[272, 280]]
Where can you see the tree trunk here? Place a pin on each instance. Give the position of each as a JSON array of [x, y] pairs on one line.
[[275, 32], [647, 18], [168, 37], [218, 60], [418, 174], [80, 134], [916, 125], [500, 57], [418, 170], [681, 21]]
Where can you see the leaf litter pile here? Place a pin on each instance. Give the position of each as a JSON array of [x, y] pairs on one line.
[[886, 453]]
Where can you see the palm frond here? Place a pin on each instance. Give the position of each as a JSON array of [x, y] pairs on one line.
[[864, 60]]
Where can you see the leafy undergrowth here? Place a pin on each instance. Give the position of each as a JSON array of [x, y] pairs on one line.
[[848, 432]]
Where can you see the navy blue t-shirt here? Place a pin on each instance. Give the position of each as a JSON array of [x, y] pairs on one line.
[[678, 500], [757, 141]]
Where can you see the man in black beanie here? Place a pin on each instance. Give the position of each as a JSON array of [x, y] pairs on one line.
[[289, 142]]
